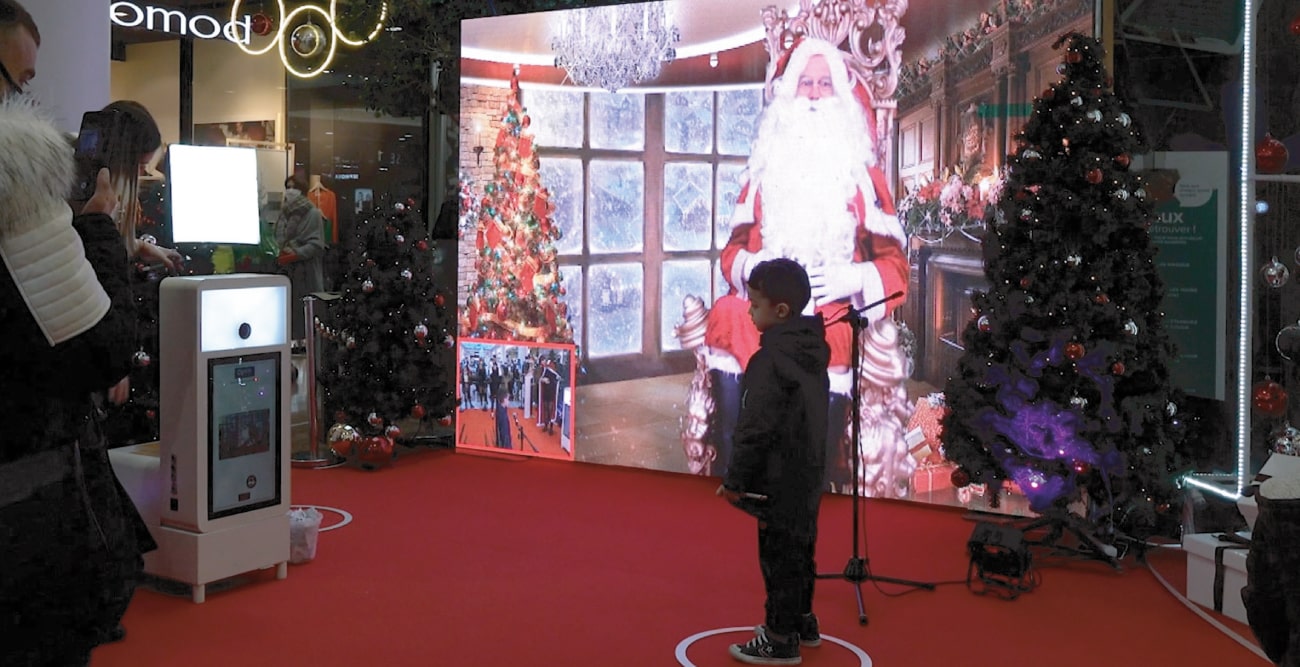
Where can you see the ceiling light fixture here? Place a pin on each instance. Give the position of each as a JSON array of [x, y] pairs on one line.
[[615, 46], [309, 39]]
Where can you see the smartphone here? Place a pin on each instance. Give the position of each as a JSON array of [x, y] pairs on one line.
[[91, 152]]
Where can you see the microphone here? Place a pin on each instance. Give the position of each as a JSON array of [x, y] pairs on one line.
[[877, 302], [854, 315]]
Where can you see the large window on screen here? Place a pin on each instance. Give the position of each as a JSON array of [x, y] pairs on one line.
[[645, 182], [214, 193]]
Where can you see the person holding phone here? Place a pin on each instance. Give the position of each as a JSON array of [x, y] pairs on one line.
[[124, 137], [72, 539]]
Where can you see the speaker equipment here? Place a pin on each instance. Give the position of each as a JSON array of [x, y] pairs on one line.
[[1000, 561]]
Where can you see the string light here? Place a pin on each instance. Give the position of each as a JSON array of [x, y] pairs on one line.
[[330, 18]]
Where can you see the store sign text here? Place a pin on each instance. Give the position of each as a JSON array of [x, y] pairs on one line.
[[174, 21]]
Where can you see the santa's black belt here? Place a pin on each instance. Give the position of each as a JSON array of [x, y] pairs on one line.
[[22, 477], [1219, 573]]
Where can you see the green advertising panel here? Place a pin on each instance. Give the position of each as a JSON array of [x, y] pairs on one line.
[[1191, 235]]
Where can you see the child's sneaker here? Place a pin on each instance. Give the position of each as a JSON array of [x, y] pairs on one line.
[[761, 650], [809, 632]]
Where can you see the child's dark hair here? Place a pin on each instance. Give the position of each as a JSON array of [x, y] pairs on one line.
[[782, 281]]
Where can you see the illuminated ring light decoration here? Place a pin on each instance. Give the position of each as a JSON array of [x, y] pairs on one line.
[[285, 42]]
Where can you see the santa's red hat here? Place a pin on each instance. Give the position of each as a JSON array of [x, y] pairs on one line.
[[845, 82]]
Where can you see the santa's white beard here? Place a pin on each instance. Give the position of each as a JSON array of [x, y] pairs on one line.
[[809, 159]]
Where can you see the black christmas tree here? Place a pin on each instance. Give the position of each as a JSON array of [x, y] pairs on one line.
[[387, 360], [517, 290], [1064, 385]]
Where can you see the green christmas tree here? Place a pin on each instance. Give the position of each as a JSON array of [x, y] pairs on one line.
[[1064, 384], [388, 356], [517, 289]]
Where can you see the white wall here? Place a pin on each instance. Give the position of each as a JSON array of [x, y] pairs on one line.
[[151, 76], [229, 84], [72, 72]]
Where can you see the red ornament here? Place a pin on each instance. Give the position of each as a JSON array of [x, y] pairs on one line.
[[1025, 282], [393, 431], [960, 478], [1094, 176], [1074, 350], [445, 421], [439, 300], [1295, 26], [261, 25], [1073, 57], [1123, 160], [422, 245], [151, 414], [417, 411], [376, 449], [1082, 467], [1117, 368], [1269, 399], [1101, 299], [1270, 155]]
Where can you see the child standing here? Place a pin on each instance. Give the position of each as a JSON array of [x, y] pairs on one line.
[[779, 460]]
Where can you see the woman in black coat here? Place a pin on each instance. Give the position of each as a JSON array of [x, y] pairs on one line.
[[70, 538]]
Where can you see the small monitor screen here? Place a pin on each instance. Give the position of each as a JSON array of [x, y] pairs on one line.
[[243, 434], [214, 194]]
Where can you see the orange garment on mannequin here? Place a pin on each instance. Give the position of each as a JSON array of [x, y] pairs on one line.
[[326, 201]]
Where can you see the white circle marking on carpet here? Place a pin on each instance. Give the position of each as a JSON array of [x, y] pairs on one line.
[[865, 660], [347, 516]]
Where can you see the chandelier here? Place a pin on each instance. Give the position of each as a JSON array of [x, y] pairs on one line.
[[616, 46]]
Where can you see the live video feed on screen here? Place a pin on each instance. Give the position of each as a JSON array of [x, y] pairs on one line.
[[243, 434]]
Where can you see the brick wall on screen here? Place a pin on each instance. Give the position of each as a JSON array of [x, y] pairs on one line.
[[484, 107]]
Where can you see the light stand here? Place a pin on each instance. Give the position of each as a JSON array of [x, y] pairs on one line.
[[1059, 521], [858, 570]]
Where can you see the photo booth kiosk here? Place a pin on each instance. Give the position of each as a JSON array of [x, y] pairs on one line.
[[215, 489]]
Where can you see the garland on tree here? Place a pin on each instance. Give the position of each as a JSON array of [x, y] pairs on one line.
[[1064, 386], [389, 354], [517, 287]]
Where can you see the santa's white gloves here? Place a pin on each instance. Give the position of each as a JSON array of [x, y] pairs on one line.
[[745, 262], [833, 282]]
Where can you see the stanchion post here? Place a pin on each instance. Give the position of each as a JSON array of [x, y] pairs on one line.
[[313, 457]]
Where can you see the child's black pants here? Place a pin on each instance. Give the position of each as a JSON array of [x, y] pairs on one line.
[[789, 572]]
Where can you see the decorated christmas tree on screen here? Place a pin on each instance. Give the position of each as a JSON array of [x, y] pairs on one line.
[[1063, 388], [387, 357], [516, 294]]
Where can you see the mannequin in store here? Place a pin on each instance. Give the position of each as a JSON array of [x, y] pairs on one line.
[[325, 200]]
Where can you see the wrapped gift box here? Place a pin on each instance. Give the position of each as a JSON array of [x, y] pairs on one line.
[[933, 477], [1216, 573], [924, 428]]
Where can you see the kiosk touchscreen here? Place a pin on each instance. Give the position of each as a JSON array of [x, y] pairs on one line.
[[243, 443]]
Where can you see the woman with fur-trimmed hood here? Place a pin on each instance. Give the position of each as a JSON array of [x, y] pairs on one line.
[[71, 537]]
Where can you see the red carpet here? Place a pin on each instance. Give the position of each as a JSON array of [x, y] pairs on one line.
[[464, 560]]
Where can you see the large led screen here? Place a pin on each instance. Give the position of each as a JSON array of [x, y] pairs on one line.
[[616, 192]]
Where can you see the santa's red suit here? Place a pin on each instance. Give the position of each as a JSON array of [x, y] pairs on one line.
[[875, 246], [730, 328]]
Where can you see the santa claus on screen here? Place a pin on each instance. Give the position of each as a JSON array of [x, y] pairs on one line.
[[813, 193]]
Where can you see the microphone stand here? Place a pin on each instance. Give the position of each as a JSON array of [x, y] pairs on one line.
[[858, 570]]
